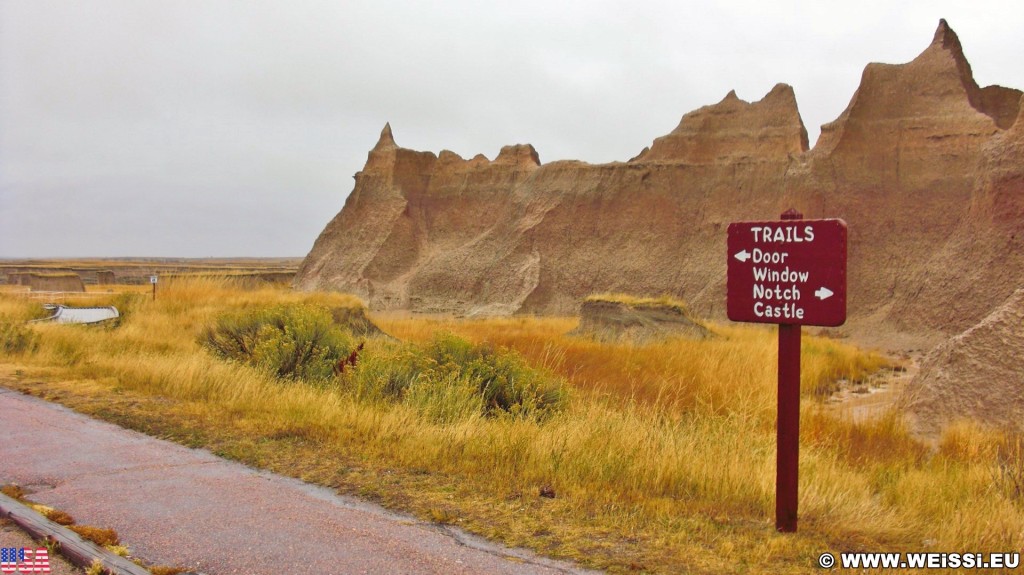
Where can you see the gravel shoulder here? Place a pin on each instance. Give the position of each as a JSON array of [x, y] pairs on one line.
[[12, 536]]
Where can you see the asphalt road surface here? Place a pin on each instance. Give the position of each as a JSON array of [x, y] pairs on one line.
[[186, 507]]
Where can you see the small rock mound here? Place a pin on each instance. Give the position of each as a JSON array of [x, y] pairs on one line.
[[518, 155], [974, 375], [62, 282], [620, 318]]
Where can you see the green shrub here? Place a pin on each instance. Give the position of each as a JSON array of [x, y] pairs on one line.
[[503, 378], [16, 337], [288, 341], [451, 378]]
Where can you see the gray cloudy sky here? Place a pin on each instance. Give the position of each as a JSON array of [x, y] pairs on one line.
[[229, 128]]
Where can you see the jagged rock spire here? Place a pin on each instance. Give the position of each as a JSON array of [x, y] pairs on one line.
[[386, 140], [999, 103], [946, 37], [733, 128]]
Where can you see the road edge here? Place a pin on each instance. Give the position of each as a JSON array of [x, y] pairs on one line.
[[76, 550]]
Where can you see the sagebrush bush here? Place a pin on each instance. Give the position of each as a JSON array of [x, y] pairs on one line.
[[450, 376], [16, 337], [506, 382], [295, 341]]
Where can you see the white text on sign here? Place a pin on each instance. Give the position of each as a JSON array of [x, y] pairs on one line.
[[775, 302], [787, 272], [783, 234]]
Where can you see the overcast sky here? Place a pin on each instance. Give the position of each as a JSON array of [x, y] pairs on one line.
[[201, 128]]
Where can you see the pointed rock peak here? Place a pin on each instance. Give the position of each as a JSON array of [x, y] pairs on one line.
[[641, 155], [781, 90], [449, 156], [387, 140], [945, 36], [731, 96]]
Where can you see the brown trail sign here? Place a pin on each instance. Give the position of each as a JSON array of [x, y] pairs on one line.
[[790, 272]]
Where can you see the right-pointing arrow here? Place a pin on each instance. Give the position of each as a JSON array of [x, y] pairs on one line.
[[742, 256], [823, 293]]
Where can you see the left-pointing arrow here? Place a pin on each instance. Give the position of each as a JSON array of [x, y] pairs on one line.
[[742, 256], [823, 293]]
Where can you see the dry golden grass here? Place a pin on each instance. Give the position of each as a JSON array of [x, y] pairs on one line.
[[664, 301], [59, 517], [719, 374], [13, 491], [663, 460], [99, 535]]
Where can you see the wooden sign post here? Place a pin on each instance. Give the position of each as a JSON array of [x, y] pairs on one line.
[[792, 273]]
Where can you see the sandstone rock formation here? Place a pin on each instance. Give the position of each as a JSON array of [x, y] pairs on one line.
[[903, 164], [924, 165], [976, 374]]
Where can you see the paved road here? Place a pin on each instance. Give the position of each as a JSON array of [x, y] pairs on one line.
[[178, 506]]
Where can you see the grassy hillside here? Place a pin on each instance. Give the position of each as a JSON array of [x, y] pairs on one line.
[[655, 458]]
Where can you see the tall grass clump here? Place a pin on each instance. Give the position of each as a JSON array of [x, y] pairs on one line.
[[127, 305], [16, 338], [1008, 475], [384, 373], [297, 341]]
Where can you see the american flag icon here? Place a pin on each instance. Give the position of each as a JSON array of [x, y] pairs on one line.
[[24, 560]]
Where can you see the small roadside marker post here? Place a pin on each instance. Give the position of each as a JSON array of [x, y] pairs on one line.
[[792, 273], [153, 279]]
